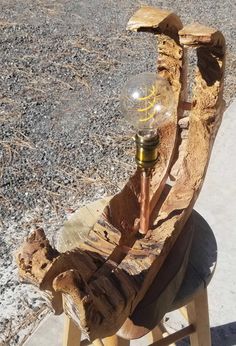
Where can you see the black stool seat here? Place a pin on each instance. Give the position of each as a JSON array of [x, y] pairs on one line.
[[189, 268], [201, 264]]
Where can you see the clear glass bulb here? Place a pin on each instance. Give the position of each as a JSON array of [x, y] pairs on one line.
[[147, 101]]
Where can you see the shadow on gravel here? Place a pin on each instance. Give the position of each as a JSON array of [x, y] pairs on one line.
[[224, 335]]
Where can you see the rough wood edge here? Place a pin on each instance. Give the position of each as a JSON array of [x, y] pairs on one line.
[[89, 301]]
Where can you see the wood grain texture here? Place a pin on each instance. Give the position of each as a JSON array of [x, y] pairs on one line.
[[198, 315], [104, 279], [71, 334]]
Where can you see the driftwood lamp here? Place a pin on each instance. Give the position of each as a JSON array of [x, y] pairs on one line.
[[101, 279]]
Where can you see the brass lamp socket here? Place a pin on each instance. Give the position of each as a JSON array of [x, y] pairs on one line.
[[146, 150]]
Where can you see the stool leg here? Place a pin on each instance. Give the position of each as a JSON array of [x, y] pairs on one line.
[[198, 315], [98, 342], [72, 333], [154, 335], [115, 340]]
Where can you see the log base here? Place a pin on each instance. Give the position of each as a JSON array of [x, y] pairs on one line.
[[191, 301], [198, 330]]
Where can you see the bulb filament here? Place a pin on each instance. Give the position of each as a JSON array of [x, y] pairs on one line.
[[147, 108], [150, 116], [151, 104], [153, 90]]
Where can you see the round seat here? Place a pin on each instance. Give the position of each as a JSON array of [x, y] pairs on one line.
[[201, 264], [185, 272]]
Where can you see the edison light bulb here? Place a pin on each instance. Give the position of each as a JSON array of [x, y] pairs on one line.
[[147, 101]]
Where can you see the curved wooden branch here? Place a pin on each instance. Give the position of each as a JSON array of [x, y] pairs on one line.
[[123, 210], [108, 275]]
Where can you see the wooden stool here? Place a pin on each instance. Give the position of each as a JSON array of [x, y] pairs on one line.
[[191, 300]]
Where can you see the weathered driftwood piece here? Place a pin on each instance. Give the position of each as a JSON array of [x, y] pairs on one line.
[[123, 210], [104, 279]]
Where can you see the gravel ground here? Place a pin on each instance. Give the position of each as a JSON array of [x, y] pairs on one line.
[[63, 141]]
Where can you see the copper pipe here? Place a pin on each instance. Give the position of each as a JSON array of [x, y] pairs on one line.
[[144, 201]]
